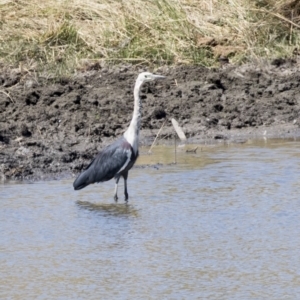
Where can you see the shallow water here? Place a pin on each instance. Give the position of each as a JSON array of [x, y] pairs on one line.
[[223, 223]]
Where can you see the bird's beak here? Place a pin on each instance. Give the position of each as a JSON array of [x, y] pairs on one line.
[[158, 76]]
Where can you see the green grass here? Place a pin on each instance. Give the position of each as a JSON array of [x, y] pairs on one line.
[[59, 38]]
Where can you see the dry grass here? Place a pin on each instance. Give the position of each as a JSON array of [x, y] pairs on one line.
[[60, 36]]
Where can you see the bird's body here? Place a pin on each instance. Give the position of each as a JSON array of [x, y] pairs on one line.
[[118, 158], [114, 160]]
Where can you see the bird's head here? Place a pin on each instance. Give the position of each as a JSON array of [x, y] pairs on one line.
[[147, 76]]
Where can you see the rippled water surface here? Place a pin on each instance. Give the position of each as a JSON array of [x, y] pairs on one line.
[[223, 223]]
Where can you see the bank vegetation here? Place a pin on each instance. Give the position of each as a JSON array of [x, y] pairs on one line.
[[60, 37]]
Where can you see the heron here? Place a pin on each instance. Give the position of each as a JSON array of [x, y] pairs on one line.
[[117, 159]]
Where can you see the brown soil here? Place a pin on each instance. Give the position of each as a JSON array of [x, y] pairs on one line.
[[49, 129]]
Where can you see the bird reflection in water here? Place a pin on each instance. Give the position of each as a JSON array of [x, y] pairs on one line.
[[117, 210]]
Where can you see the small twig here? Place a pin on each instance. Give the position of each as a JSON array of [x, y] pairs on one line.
[[39, 130], [175, 146], [277, 16], [126, 59], [8, 95], [291, 28], [157, 136], [194, 150]]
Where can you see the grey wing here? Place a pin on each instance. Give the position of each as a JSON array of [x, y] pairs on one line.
[[110, 162]]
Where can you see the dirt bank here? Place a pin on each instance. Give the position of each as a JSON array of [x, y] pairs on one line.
[[51, 128]]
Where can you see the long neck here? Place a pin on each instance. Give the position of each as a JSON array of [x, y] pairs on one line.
[[136, 117], [132, 133]]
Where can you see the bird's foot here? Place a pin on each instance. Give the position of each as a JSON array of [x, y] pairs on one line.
[[116, 198], [126, 198]]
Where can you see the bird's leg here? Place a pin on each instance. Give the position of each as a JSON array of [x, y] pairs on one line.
[[125, 176], [125, 190], [116, 192], [116, 189]]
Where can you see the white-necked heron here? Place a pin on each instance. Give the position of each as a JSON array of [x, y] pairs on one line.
[[118, 158]]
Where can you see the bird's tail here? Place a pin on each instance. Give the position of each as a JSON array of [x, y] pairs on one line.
[[82, 180]]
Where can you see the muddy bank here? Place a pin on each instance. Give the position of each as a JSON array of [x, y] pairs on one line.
[[50, 128]]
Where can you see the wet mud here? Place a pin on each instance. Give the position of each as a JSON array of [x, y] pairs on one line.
[[52, 128]]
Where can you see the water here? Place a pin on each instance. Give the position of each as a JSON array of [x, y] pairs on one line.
[[220, 224]]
